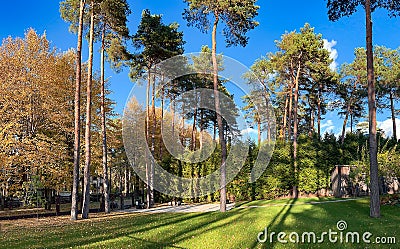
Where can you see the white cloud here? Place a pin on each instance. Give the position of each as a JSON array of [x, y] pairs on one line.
[[387, 127], [333, 53], [327, 127], [339, 133], [249, 131], [327, 124]]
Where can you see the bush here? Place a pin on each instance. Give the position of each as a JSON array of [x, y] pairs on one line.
[[392, 200], [308, 180]]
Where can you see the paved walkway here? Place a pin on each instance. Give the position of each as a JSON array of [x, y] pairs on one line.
[[189, 208], [202, 208]]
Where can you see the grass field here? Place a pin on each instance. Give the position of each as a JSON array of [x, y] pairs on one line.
[[237, 228]]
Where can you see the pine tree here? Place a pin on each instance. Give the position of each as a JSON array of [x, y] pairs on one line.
[[113, 20], [238, 17], [336, 10], [66, 8], [155, 42]]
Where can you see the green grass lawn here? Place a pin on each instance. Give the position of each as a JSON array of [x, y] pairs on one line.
[[237, 228]]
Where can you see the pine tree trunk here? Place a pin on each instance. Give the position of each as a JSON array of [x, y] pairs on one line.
[[201, 128], [351, 122], [160, 143], [193, 135], [283, 130], [345, 123], [77, 130], [319, 111], [86, 173], [121, 194], [104, 129], [311, 128], [373, 148], [393, 115], [215, 128], [153, 141], [182, 131], [348, 109], [83, 191], [126, 180], [147, 124], [295, 128], [219, 118], [258, 132], [1, 200], [266, 113], [171, 109], [290, 110], [193, 147], [109, 181]]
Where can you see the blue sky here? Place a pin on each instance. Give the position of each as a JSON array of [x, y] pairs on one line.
[[275, 17]]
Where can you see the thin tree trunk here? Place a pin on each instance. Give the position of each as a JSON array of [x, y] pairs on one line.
[[295, 126], [77, 130], [121, 194], [268, 120], [148, 166], [215, 128], [345, 123], [289, 123], [126, 180], [130, 186], [83, 190], [86, 173], [193, 147], [311, 128], [183, 132], [373, 148], [219, 118], [103, 127], [283, 130], [351, 122], [153, 141], [348, 109], [393, 116], [319, 111], [195, 166], [201, 128], [193, 135], [200, 166], [172, 107], [110, 180], [258, 132], [162, 122], [2, 200], [267, 111]]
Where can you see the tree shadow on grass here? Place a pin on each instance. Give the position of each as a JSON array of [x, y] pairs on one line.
[[212, 230], [319, 218], [282, 214], [88, 232], [207, 225], [114, 232]]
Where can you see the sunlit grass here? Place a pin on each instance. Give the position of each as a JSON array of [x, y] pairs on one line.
[[237, 228]]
